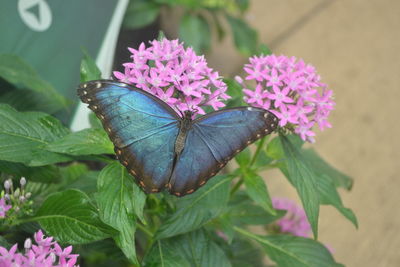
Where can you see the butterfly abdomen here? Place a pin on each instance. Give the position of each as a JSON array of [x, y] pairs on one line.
[[184, 127]]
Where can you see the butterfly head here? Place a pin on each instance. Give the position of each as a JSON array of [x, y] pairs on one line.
[[188, 114]]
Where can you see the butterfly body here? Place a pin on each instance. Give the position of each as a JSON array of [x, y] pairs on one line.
[[184, 128], [163, 150]]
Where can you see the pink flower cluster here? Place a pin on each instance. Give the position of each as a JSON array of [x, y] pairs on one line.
[[176, 75], [295, 220], [292, 90], [3, 208], [46, 253]]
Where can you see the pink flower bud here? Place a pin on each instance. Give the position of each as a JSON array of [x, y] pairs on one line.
[[28, 243]]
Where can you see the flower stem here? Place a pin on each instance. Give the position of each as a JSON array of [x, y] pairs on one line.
[[237, 186], [258, 150], [245, 168]]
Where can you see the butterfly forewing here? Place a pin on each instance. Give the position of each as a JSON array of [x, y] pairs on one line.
[[213, 140], [142, 128]]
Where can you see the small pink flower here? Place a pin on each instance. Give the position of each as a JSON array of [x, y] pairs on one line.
[[45, 253], [274, 79], [291, 90], [280, 97], [174, 74], [285, 116], [295, 220], [257, 96]]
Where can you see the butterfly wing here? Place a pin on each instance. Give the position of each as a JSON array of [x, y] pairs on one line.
[[213, 140], [142, 128]]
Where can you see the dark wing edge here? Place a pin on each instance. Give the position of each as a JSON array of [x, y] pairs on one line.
[[86, 90]]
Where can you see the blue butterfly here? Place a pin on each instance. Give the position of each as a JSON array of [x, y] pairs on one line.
[[163, 150]]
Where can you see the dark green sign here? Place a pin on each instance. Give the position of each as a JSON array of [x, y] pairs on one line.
[[50, 34]]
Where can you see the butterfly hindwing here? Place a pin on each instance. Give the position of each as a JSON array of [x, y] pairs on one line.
[[213, 140], [142, 128]]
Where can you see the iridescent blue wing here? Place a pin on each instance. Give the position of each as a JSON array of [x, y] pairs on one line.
[[142, 128], [213, 140]]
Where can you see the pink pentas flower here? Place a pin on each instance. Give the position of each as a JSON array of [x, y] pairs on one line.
[[292, 90], [176, 75], [295, 220], [45, 253], [3, 208]]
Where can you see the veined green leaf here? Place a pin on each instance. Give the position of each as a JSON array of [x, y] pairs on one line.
[[290, 251], [321, 167], [302, 177], [24, 134], [71, 218], [43, 174], [329, 196], [243, 158], [197, 209], [194, 249], [86, 142], [326, 176], [140, 13], [195, 32], [116, 201], [17, 72], [89, 69], [257, 190], [244, 36]]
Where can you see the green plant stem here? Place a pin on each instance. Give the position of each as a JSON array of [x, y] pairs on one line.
[[145, 230], [244, 169], [237, 186], [258, 150]]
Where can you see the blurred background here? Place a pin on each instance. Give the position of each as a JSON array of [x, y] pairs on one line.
[[353, 44]]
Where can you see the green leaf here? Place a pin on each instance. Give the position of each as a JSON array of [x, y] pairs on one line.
[[28, 100], [23, 134], [87, 182], [257, 190], [71, 218], [241, 210], [264, 50], [138, 203], [4, 243], [275, 149], [302, 177], [324, 173], [43, 174], [289, 251], [321, 167], [329, 196], [235, 91], [244, 36], [195, 32], [86, 142], [89, 70], [140, 13], [262, 160], [243, 158], [197, 209], [73, 171], [245, 253], [242, 5], [191, 249], [115, 201], [94, 121], [18, 73]]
